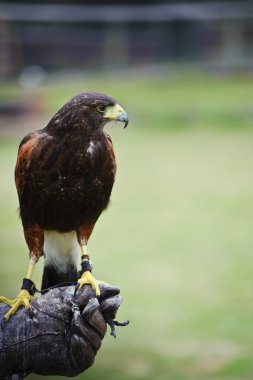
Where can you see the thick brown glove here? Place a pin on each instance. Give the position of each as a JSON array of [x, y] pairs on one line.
[[60, 335]]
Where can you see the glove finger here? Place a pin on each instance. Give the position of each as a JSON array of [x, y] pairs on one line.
[[81, 352], [107, 291], [81, 332], [83, 295], [92, 315], [109, 307]]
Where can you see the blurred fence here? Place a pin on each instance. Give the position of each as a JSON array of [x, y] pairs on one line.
[[219, 34]]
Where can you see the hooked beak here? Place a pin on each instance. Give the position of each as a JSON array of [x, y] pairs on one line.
[[116, 113]]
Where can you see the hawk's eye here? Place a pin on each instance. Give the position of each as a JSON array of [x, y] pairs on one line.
[[101, 108]]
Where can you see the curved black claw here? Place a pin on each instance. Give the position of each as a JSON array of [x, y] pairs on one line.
[[113, 323], [30, 312], [76, 288]]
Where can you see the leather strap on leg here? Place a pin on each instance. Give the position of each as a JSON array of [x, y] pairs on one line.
[[29, 285], [86, 266]]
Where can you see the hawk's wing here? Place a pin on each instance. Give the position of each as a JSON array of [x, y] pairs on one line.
[[28, 149], [29, 160]]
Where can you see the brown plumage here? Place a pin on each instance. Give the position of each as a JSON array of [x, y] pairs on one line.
[[64, 177]]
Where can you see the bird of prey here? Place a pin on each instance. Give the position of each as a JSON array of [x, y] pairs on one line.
[[64, 177]]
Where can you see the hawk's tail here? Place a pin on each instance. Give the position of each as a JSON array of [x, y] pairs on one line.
[[52, 277]]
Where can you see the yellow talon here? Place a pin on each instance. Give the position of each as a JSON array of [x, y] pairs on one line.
[[87, 278], [23, 299]]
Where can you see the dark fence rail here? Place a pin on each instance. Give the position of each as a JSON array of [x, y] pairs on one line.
[[127, 13], [69, 36]]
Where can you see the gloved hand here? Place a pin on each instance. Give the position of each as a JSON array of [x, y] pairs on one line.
[[60, 335]]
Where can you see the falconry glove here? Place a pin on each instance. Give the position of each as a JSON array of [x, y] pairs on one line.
[[60, 336]]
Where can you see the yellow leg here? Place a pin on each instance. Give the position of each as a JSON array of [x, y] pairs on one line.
[[87, 277], [84, 250], [23, 298], [30, 271]]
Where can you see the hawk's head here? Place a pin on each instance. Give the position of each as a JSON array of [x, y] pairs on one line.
[[89, 111]]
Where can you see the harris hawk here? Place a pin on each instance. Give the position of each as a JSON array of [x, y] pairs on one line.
[[64, 177]]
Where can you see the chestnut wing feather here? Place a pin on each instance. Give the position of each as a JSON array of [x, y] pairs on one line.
[[28, 147]]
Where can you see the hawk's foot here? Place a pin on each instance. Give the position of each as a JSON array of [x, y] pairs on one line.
[[87, 278], [23, 299]]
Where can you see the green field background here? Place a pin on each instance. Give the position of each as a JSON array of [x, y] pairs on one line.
[[177, 238]]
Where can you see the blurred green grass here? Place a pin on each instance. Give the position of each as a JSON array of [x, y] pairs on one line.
[[178, 101], [177, 238]]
